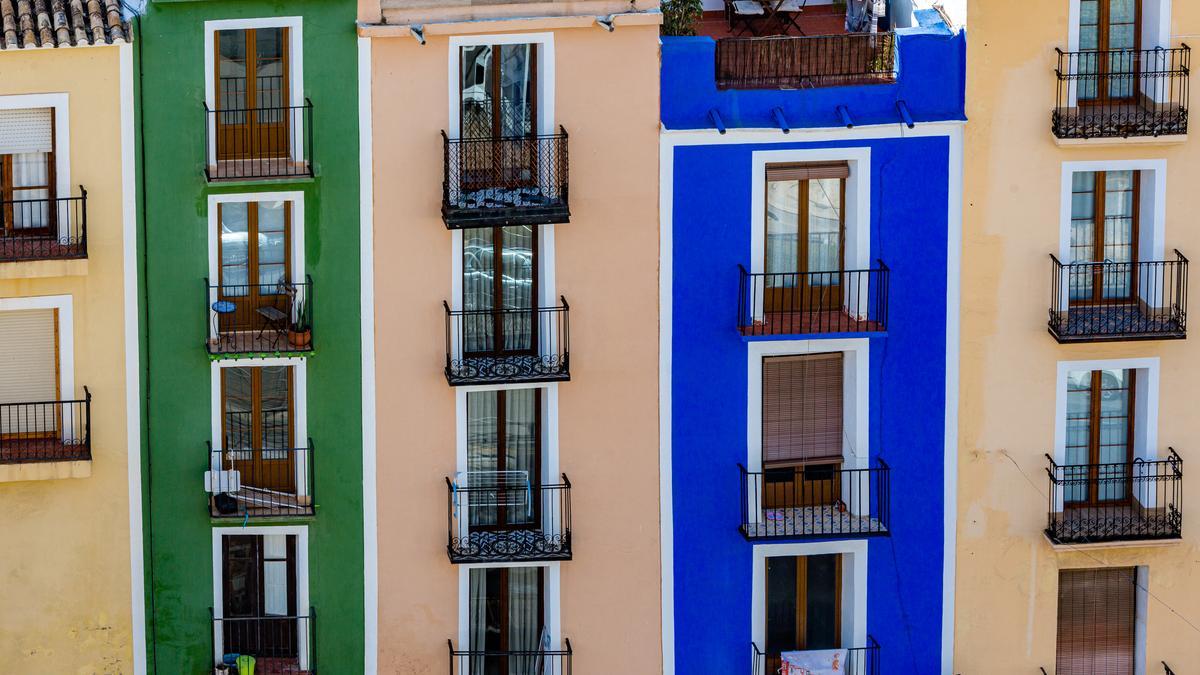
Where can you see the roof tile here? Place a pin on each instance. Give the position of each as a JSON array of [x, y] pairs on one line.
[[61, 23]]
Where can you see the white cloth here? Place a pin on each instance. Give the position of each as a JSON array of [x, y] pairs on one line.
[[816, 662]]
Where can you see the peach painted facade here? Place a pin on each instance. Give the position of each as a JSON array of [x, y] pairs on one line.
[[1017, 211], [67, 603], [601, 427]]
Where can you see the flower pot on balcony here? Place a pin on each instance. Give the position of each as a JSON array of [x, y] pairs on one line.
[[300, 339]]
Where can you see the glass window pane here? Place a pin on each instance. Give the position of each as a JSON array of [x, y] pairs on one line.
[[783, 231], [824, 225]]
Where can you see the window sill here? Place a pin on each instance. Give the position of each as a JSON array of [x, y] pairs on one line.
[[11, 473], [1135, 543], [1117, 141], [34, 269]]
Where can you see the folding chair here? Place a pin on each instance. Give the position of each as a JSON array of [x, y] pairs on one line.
[[276, 318], [788, 12], [745, 12]]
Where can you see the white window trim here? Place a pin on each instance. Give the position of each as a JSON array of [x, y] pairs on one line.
[[66, 337], [854, 586], [295, 201], [62, 131], [300, 392], [545, 68], [295, 26], [552, 598], [302, 602]]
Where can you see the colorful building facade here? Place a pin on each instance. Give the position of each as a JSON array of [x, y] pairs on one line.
[[810, 232], [1077, 397], [69, 380], [512, 245], [253, 455]]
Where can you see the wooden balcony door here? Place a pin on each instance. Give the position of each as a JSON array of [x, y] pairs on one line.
[[1097, 621], [255, 248], [27, 173], [29, 374], [803, 605], [252, 94], [805, 236], [499, 100], [258, 427], [802, 401], [507, 614], [503, 452], [1109, 35], [1100, 427], [258, 583], [1104, 229], [500, 290]]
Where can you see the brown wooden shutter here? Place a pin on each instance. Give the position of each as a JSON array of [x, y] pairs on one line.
[[802, 408], [809, 171], [1097, 612]]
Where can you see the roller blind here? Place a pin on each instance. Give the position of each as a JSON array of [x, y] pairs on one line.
[[802, 408], [1097, 611], [809, 171], [28, 358], [26, 130]]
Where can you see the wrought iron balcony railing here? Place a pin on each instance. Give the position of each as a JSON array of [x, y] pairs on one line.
[[260, 482], [1105, 301], [511, 180], [508, 345], [805, 62], [267, 319], [859, 660], [805, 303], [815, 501], [259, 143], [1093, 503], [500, 516], [539, 661], [46, 431], [278, 644], [43, 229], [1122, 93]]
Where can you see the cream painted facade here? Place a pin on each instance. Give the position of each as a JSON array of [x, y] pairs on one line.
[[67, 604], [1015, 204], [601, 428]]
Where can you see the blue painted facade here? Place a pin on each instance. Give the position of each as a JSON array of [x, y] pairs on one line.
[[711, 216]]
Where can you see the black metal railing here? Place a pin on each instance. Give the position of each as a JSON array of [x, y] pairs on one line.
[[859, 660], [533, 661], [516, 180], [46, 431], [1124, 501], [1094, 301], [815, 500], [260, 318], [278, 644], [492, 519], [805, 62], [846, 301], [43, 229], [260, 142], [508, 345], [1122, 93], [261, 482]]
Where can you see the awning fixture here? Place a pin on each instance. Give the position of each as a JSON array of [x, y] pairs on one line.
[[715, 117], [418, 32], [844, 113], [902, 108], [777, 113]]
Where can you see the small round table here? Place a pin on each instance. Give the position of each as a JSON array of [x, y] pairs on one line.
[[221, 308]]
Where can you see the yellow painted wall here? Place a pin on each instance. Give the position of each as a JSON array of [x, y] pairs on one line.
[[64, 544], [1007, 573], [606, 264]]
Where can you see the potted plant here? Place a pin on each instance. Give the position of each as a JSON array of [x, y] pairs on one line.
[[680, 16], [300, 330]]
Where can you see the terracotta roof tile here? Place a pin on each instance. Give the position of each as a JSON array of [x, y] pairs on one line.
[[61, 23]]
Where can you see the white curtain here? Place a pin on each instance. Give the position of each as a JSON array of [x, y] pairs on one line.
[[275, 564], [479, 618], [31, 168]]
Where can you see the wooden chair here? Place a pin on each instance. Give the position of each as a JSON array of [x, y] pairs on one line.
[[746, 13]]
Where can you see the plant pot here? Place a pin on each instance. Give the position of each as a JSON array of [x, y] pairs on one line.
[[300, 339]]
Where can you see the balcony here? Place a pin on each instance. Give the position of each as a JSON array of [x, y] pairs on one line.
[[540, 661], [46, 431], [808, 303], [1122, 93], [519, 180], [815, 501], [1131, 501], [508, 345], [44, 229], [809, 62], [259, 319], [499, 517], [859, 660], [259, 143], [279, 645], [260, 483], [1111, 301]]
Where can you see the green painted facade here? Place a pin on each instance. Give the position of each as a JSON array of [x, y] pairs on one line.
[[174, 227]]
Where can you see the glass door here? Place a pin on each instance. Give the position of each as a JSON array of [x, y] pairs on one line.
[[499, 101], [258, 428], [252, 93], [507, 607], [804, 244], [1100, 426], [504, 458], [26, 194], [1104, 232], [255, 257], [500, 290], [1109, 37], [259, 577], [804, 612]]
